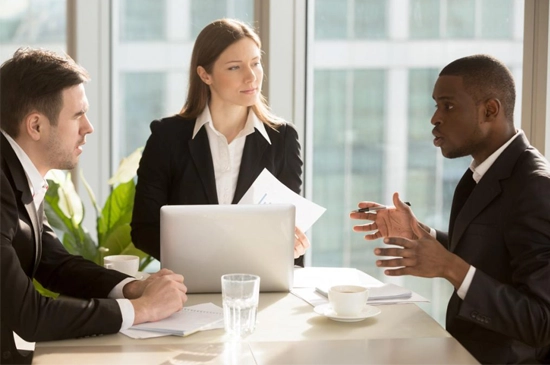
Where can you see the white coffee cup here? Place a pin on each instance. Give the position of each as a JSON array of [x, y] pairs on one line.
[[127, 264], [348, 300]]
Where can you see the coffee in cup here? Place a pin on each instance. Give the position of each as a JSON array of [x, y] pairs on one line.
[[348, 300], [127, 264]]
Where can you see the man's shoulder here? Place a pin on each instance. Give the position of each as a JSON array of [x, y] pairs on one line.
[[532, 162]]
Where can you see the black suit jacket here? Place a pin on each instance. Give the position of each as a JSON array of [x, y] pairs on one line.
[[503, 230], [176, 169], [29, 248]]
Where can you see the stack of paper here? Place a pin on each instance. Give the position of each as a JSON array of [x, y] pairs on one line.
[[183, 323]]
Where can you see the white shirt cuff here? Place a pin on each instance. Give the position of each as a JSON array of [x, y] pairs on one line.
[[463, 290], [116, 292], [433, 232], [128, 314]]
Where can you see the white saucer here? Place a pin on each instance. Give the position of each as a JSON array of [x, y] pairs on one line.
[[326, 310], [141, 275]]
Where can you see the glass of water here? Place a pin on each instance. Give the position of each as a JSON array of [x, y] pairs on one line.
[[240, 293]]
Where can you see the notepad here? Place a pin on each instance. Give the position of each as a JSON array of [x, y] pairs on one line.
[[185, 322], [384, 292]]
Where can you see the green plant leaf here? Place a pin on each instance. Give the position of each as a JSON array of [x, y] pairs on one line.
[[56, 217], [144, 258], [45, 292], [90, 194], [117, 210], [127, 169], [69, 201], [70, 243], [88, 248], [117, 239]]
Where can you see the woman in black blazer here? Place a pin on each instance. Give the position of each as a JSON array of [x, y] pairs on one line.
[[225, 135]]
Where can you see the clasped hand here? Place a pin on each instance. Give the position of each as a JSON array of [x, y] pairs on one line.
[[157, 297]]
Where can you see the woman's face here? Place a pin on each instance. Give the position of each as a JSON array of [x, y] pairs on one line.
[[237, 75]]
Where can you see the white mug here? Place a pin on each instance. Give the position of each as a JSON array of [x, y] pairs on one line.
[[348, 300], [127, 264]]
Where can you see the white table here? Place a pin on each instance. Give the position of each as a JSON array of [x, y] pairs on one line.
[[288, 332]]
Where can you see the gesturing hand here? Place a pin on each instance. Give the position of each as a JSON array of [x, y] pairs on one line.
[[394, 222], [424, 257]]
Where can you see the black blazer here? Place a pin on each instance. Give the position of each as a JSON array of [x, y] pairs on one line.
[[30, 249], [178, 170], [504, 231]]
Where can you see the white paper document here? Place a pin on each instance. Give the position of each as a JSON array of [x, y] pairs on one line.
[[183, 323], [268, 190]]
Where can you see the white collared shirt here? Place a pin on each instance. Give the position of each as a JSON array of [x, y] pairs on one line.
[[227, 156], [478, 172], [38, 186]]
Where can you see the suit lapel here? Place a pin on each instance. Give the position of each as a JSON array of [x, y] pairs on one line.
[[485, 191], [488, 188], [254, 149], [22, 185], [199, 147]]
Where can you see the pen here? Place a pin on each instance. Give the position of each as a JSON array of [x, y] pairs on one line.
[[374, 209]]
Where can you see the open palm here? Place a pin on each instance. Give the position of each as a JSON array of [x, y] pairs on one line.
[[391, 222], [395, 222]]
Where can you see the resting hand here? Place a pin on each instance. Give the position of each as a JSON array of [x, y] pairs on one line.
[[163, 296], [134, 289], [301, 243], [394, 222], [424, 257]]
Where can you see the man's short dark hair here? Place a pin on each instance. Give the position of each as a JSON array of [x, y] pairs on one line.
[[33, 80], [484, 78]]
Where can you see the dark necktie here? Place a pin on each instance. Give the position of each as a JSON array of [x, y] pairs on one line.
[[462, 192]]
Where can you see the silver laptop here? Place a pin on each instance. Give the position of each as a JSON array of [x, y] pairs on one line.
[[204, 242]]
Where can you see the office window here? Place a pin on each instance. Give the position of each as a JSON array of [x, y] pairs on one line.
[[369, 19], [348, 114], [152, 45], [331, 19], [462, 19], [424, 19], [143, 95], [142, 20], [492, 14], [205, 11], [350, 19], [371, 127], [34, 23]]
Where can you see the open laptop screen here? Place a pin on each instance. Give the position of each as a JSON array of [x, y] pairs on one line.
[[204, 242]]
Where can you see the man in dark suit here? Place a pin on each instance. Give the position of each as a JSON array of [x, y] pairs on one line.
[[497, 250], [44, 126]]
